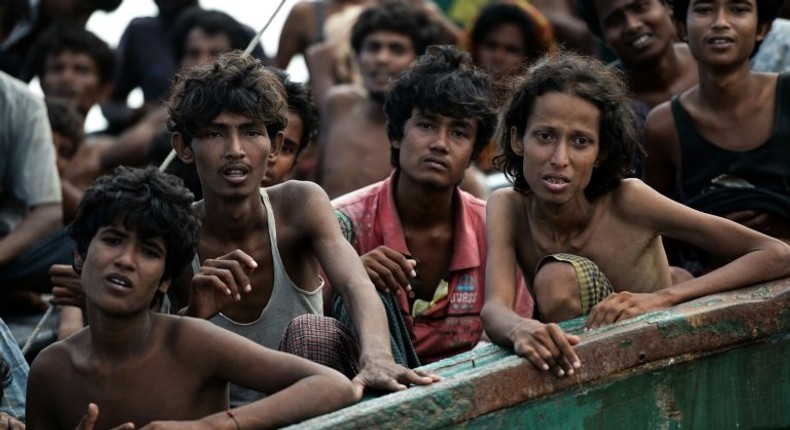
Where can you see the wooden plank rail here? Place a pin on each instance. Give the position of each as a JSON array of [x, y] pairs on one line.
[[715, 362]]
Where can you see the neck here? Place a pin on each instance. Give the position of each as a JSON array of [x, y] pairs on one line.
[[234, 220], [114, 338], [375, 111], [722, 89], [561, 221], [659, 74], [420, 207]]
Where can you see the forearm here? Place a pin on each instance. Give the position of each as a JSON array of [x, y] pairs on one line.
[[39, 222], [758, 266], [500, 321], [309, 397], [367, 313]]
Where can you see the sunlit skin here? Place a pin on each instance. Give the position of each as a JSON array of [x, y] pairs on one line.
[[201, 48], [502, 50], [620, 231], [73, 77], [281, 168], [382, 56]]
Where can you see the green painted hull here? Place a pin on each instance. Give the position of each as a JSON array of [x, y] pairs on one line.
[[715, 363]]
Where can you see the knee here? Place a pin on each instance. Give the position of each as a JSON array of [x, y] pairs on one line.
[[557, 292]]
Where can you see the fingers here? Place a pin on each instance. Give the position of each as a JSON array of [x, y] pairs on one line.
[[89, 419], [389, 270], [64, 296], [221, 280], [548, 348], [409, 376], [364, 381], [607, 311], [564, 342]]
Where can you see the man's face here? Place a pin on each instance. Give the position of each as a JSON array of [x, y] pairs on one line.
[[435, 150], [122, 270], [202, 48], [639, 31], [502, 50], [231, 154], [723, 32], [281, 168], [73, 77], [383, 56], [560, 147]]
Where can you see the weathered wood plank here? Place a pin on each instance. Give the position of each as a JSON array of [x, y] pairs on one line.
[[718, 356]]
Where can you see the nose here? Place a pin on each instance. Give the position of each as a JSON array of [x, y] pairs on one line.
[[632, 22], [721, 18], [559, 157], [126, 255], [439, 144], [234, 148]]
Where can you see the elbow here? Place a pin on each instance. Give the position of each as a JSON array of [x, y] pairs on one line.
[[781, 258]]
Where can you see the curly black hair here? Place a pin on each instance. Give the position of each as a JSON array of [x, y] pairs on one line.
[[147, 201], [443, 81], [234, 82], [588, 79]]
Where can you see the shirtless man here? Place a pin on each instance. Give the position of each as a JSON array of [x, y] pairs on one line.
[[227, 118], [588, 239], [735, 122], [353, 149], [642, 35], [135, 233]]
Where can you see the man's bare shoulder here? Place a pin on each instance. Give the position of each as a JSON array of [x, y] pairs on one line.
[[660, 128], [60, 357], [295, 197], [631, 198]]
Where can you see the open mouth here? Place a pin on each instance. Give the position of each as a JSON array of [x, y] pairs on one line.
[[236, 173], [120, 281], [641, 41], [720, 41], [555, 182]]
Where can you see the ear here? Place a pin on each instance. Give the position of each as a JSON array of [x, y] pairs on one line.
[[762, 30], [277, 145], [516, 144], [182, 149], [164, 286], [79, 262], [682, 31]]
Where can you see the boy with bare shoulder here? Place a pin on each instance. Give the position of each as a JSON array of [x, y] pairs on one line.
[[588, 238], [135, 232]]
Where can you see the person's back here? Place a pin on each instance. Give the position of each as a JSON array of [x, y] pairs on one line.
[[135, 233]]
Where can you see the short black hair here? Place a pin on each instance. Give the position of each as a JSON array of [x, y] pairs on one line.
[[234, 82], [588, 79], [212, 22], [443, 81], [300, 101], [148, 202], [72, 38], [496, 14], [767, 12], [396, 16]]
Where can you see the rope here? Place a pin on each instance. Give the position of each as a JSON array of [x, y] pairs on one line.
[[37, 329]]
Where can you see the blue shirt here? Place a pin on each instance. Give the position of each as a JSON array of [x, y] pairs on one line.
[[15, 387]]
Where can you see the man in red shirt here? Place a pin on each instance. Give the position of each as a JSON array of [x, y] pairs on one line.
[[420, 237]]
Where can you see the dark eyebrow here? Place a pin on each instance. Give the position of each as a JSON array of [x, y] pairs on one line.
[[458, 122]]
